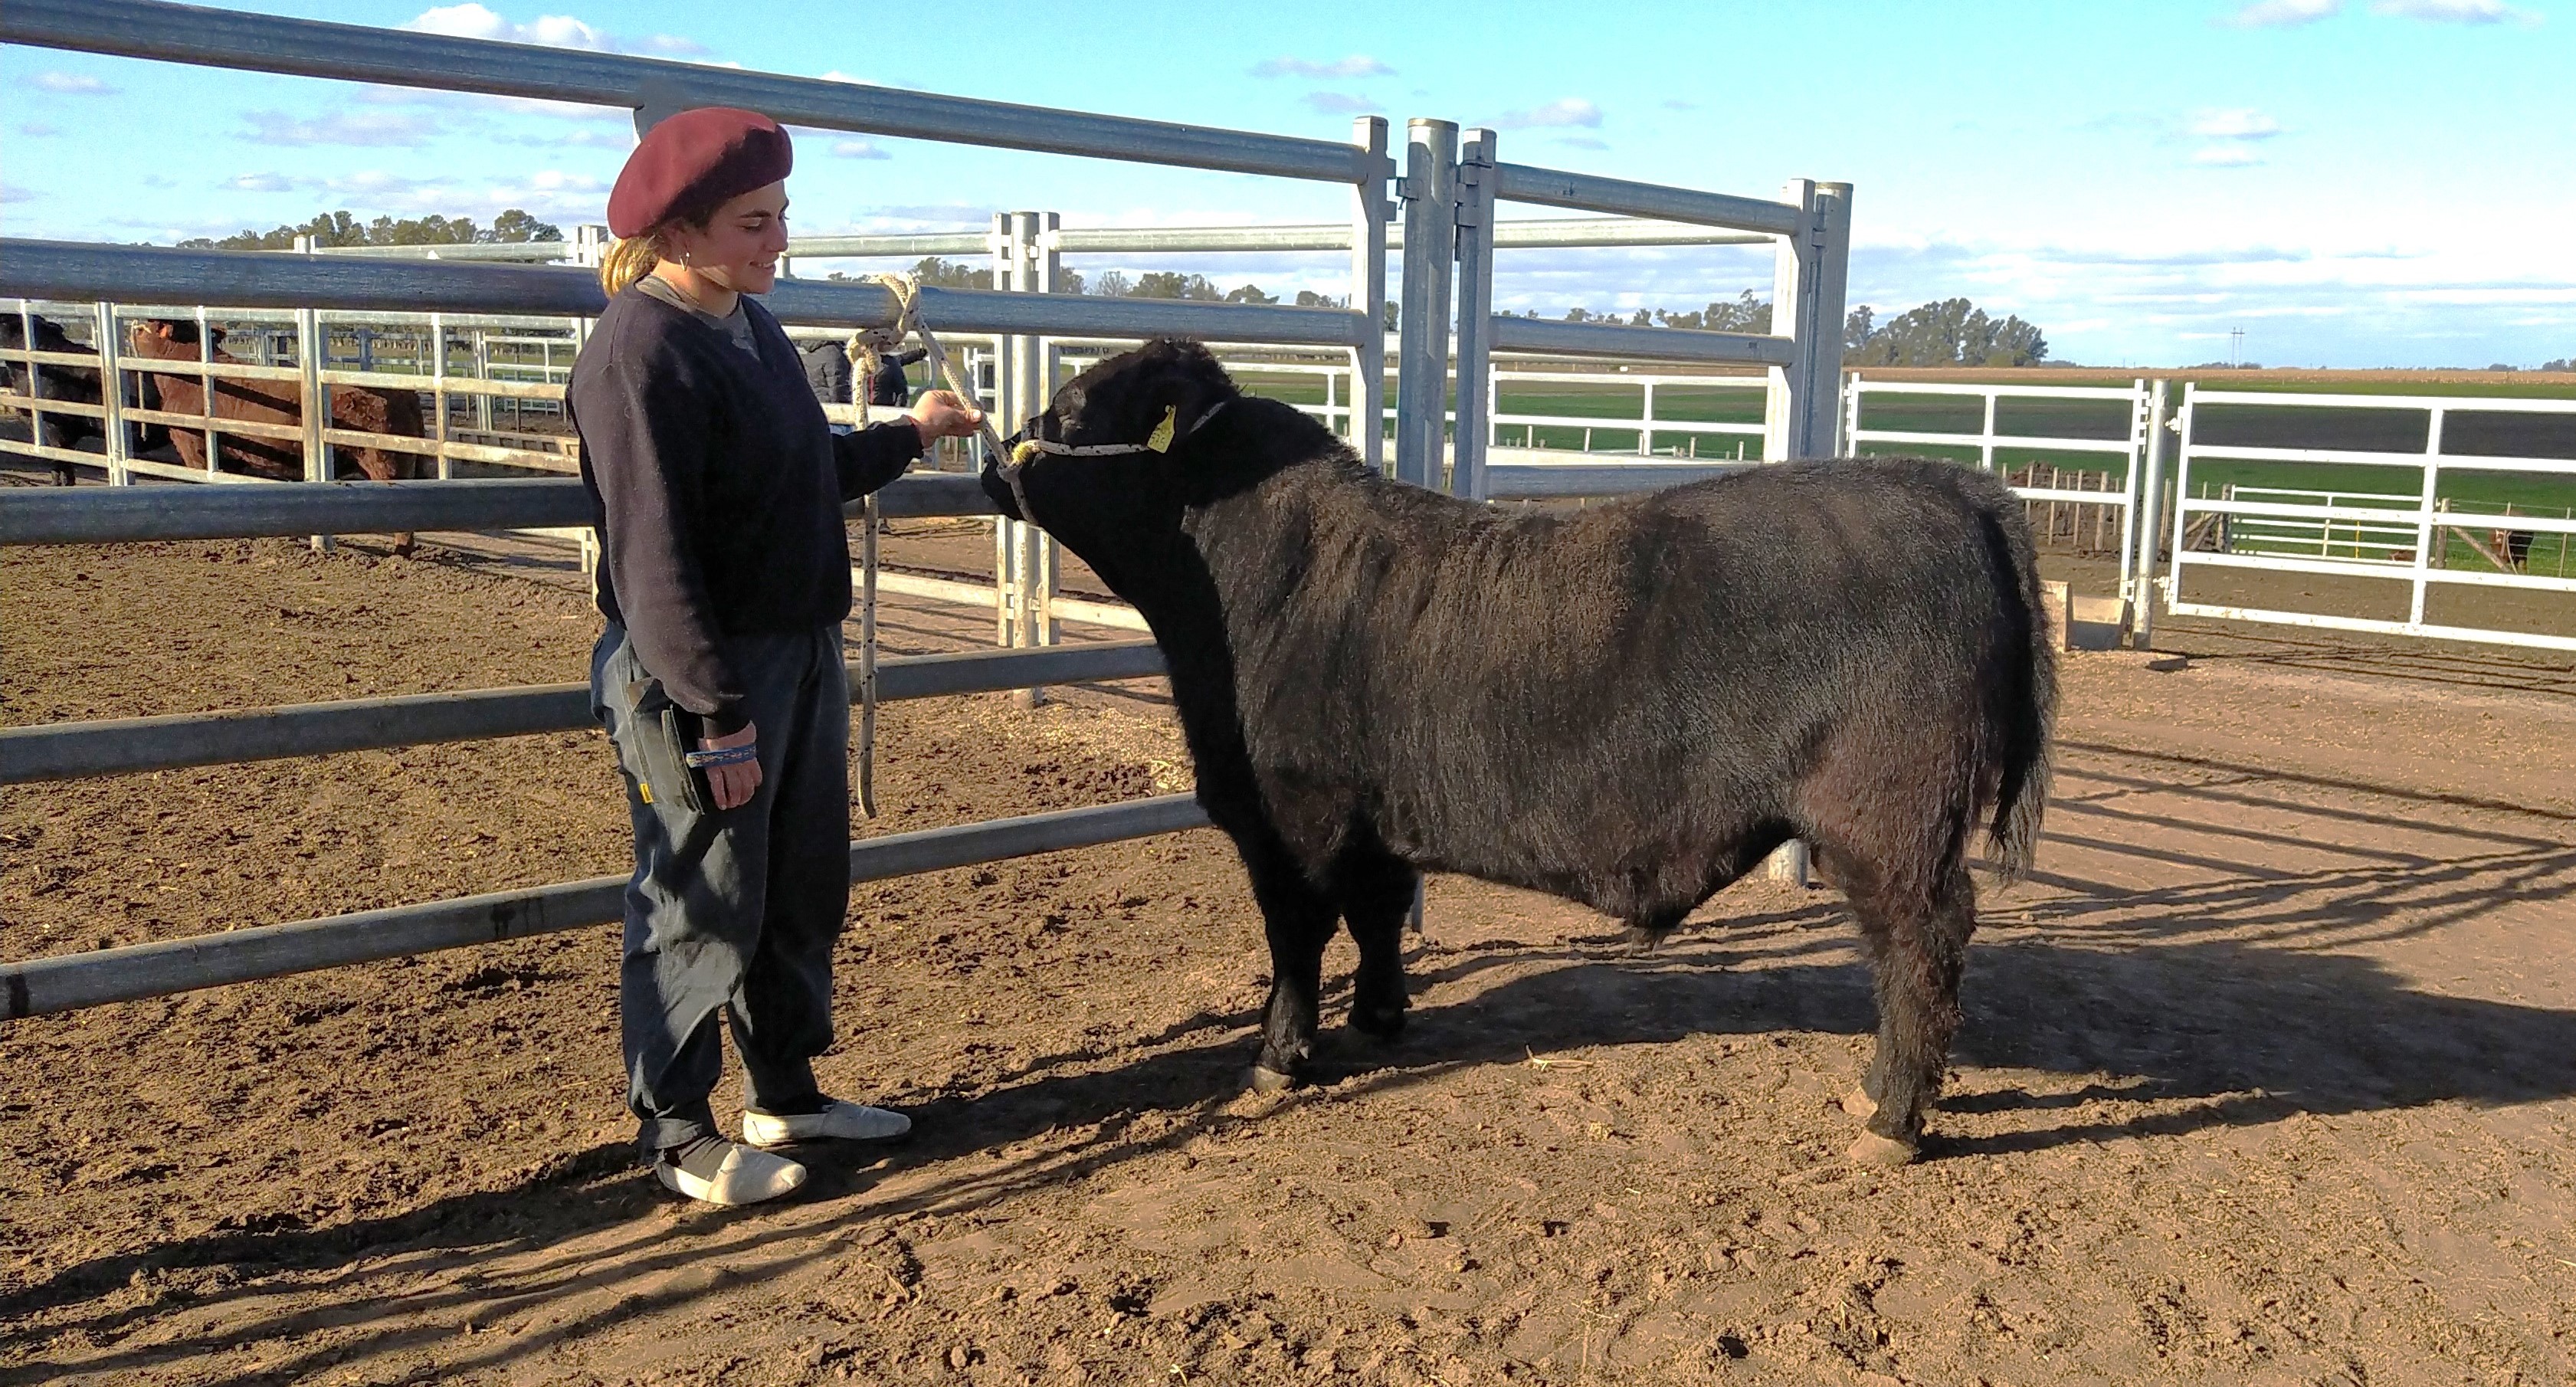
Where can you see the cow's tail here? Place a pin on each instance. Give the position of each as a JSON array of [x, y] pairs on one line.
[[2023, 707]]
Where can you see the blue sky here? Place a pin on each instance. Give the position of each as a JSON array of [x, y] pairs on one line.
[[2363, 183]]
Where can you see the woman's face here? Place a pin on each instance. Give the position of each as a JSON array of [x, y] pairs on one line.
[[739, 246]]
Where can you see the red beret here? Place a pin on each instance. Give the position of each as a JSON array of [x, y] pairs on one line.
[[690, 163]]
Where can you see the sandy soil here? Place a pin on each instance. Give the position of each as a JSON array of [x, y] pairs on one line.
[[2270, 1077]]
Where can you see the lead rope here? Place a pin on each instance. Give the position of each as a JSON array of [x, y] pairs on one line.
[[907, 298]]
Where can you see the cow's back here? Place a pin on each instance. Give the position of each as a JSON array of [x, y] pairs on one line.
[[1504, 692]]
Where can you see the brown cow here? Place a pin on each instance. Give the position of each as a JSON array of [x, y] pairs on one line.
[[360, 408], [2514, 547]]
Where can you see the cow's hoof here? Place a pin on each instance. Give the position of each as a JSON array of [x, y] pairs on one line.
[[1265, 1080], [1883, 1152], [1381, 1024], [1859, 1104]]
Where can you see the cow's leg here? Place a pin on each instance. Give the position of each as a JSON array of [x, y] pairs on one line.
[[1377, 890], [1917, 944], [1299, 920]]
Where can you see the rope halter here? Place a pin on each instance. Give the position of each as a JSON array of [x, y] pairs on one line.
[[1159, 441]]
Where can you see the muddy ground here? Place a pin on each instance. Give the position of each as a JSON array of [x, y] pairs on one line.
[[2269, 1077]]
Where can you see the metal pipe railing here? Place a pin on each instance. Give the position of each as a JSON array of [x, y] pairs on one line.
[[1586, 192], [1623, 342], [68, 982], [123, 746], [404, 58], [274, 279], [119, 515]]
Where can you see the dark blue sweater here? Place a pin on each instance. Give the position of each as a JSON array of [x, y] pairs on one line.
[[717, 489]]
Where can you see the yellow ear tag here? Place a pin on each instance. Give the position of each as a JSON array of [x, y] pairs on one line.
[[1028, 449], [1160, 440]]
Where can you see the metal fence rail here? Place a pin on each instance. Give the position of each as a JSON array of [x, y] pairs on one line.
[[404, 58], [122, 746], [67, 982], [2142, 405], [2428, 524]]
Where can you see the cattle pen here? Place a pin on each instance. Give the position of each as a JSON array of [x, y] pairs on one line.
[[2263, 1074], [1446, 197]]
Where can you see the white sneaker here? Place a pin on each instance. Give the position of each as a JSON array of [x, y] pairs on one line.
[[838, 1121], [746, 1175]]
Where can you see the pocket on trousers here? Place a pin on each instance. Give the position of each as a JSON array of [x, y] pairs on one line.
[[662, 733]]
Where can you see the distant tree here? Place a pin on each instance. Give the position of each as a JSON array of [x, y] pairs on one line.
[[1114, 284], [1948, 332], [1308, 298], [514, 226], [1856, 329], [343, 229], [1745, 314], [1169, 284], [1394, 315], [2564, 363], [1249, 293], [942, 273]]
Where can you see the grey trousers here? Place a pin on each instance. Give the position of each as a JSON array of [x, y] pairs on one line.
[[735, 911]]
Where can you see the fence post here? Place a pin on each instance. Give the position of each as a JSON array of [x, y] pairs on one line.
[[2146, 496], [2424, 529], [1808, 280], [1370, 211], [206, 390], [1475, 313], [1042, 271], [111, 397], [310, 346], [483, 372], [438, 392], [1422, 325]]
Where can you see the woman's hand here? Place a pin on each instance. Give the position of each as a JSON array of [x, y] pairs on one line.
[[733, 785], [940, 414]]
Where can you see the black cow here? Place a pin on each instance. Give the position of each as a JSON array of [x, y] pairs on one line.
[[78, 384], [1629, 705], [54, 382]]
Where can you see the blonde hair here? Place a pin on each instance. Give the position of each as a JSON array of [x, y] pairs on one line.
[[631, 259], [634, 257]]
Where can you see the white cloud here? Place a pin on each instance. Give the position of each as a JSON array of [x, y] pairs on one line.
[[2455, 11], [2230, 155], [2243, 123], [2282, 14], [474, 21], [1565, 111], [370, 128], [859, 149], [262, 183], [1338, 104], [1356, 65], [11, 192], [38, 130], [574, 139], [71, 84], [1582, 142]]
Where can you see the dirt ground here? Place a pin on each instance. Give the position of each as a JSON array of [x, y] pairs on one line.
[[2269, 1077]]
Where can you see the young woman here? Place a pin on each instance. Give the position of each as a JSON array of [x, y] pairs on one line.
[[717, 488]]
